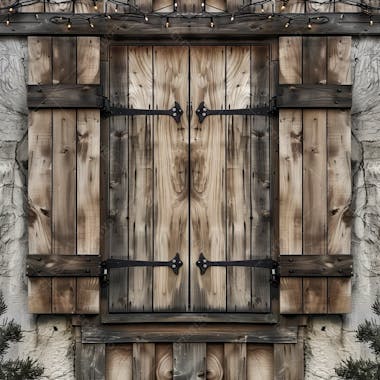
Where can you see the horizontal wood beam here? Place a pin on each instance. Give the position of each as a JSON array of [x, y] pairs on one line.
[[189, 333], [63, 265], [64, 96], [249, 25], [315, 265], [314, 96]]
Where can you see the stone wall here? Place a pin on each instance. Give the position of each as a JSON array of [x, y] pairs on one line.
[[328, 339]]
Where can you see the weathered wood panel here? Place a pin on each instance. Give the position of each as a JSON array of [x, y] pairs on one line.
[[339, 173], [215, 361], [207, 192], [290, 173], [260, 362], [235, 361], [238, 179], [140, 189], [189, 361], [88, 60], [260, 197], [288, 361], [118, 179], [64, 60], [164, 361], [39, 174], [119, 362], [314, 174], [143, 361], [92, 362]]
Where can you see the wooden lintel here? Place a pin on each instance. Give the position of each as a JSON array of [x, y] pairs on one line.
[[189, 333], [315, 265], [63, 265], [248, 25], [314, 96], [64, 96]]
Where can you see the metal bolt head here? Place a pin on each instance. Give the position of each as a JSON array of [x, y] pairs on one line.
[[204, 265], [204, 114], [174, 266]]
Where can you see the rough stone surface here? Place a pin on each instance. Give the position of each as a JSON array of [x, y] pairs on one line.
[[328, 339]]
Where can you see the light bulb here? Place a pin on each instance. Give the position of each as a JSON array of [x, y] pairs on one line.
[[167, 23], [212, 24], [91, 23], [69, 25], [146, 18]]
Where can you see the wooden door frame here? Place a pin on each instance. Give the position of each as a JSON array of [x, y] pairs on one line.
[[202, 317]]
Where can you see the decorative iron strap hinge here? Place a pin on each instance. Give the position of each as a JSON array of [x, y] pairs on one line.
[[203, 264], [109, 110], [202, 111], [174, 264]]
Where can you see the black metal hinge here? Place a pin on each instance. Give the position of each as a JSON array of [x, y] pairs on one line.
[[203, 264], [202, 111], [174, 264], [109, 110]]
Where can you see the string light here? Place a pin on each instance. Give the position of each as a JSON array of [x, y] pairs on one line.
[[175, 6], [91, 23], [232, 18], [212, 24], [283, 6], [95, 5], [7, 21], [287, 23], [10, 10], [116, 8], [69, 25], [370, 21], [146, 18], [309, 24], [167, 23], [203, 6], [262, 8]]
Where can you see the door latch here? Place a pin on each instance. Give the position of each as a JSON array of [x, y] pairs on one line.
[[203, 111], [203, 264], [109, 110]]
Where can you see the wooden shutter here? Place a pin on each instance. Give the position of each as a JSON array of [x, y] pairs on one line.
[[315, 173], [63, 181]]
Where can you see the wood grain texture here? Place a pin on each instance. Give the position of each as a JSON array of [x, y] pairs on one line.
[[140, 189], [189, 361], [290, 60], [119, 359], [89, 6], [171, 187], [260, 199], [64, 204], [215, 361], [235, 361], [143, 361], [339, 173], [164, 361], [87, 299], [57, 6], [207, 192], [40, 60], [314, 174], [260, 362], [92, 362], [288, 361], [118, 179], [64, 60], [88, 60], [40, 295], [238, 179]]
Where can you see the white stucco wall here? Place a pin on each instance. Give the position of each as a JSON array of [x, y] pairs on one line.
[[328, 339]]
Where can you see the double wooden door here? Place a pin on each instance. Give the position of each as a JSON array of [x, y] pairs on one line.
[[189, 187]]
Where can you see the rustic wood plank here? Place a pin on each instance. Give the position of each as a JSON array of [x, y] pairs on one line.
[[339, 173], [215, 6], [166, 333], [207, 160], [189, 361], [143, 361], [89, 6], [235, 361], [56, 6], [64, 204], [343, 7], [215, 361], [119, 359], [88, 60], [315, 265], [314, 174], [238, 179], [260, 362], [162, 5], [118, 179], [62, 265], [40, 295], [314, 96], [39, 6], [260, 179], [288, 361], [87, 295], [92, 362], [290, 208], [64, 60], [40, 60], [64, 96], [290, 60], [164, 361], [140, 161], [171, 185]]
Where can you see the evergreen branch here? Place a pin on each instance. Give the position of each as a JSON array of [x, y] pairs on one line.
[[20, 369]]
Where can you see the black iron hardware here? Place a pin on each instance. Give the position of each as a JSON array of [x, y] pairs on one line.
[[202, 111], [203, 264], [109, 110]]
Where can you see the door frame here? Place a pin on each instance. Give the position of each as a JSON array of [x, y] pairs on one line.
[[271, 317]]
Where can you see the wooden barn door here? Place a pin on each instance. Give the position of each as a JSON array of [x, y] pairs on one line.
[[189, 187]]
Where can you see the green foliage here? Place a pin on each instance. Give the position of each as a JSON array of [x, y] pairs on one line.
[[17, 369], [364, 369]]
